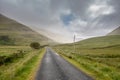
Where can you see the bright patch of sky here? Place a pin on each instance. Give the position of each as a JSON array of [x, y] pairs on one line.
[[100, 8]]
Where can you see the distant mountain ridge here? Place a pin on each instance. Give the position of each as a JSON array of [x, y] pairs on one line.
[[115, 32], [19, 33]]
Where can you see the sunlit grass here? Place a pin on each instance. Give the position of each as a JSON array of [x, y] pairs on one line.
[[29, 67]]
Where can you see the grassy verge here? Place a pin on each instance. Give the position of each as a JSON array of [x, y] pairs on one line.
[[27, 71], [36, 66], [98, 69], [22, 68]]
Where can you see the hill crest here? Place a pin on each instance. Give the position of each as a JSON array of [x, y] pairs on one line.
[[115, 32]]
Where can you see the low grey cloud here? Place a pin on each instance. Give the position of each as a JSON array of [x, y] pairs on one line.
[[86, 18]]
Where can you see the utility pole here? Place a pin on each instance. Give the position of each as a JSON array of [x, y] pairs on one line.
[[74, 42]]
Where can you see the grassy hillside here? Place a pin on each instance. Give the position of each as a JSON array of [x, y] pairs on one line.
[[98, 57], [115, 32], [18, 34], [100, 42]]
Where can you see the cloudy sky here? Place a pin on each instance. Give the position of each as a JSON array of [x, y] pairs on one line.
[[64, 18]]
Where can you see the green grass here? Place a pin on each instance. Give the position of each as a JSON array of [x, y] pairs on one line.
[[98, 57], [8, 50], [24, 72], [22, 68]]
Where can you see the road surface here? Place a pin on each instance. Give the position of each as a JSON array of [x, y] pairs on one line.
[[54, 67]]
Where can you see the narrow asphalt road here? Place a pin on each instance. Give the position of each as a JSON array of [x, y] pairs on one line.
[[54, 67]]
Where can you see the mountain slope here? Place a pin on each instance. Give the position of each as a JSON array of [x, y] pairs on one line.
[[100, 42], [19, 34], [115, 32], [96, 42]]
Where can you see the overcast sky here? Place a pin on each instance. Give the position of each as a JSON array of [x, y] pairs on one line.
[[85, 18]]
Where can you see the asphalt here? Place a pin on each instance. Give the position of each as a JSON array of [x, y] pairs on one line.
[[54, 67]]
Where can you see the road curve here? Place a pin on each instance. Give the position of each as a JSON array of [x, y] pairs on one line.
[[54, 67]]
